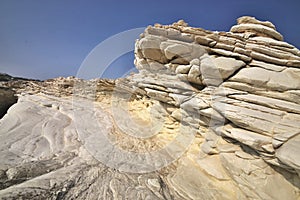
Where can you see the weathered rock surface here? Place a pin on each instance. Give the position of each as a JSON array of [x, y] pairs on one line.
[[248, 75], [210, 115]]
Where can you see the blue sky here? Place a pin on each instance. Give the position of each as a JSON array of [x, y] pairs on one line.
[[46, 39]]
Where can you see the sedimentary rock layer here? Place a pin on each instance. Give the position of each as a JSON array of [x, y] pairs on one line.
[[248, 78], [209, 115]]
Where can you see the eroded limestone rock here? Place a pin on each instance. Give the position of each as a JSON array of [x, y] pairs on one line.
[[215, 115]]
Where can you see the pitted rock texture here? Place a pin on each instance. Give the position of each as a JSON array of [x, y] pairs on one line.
[[235, 93]]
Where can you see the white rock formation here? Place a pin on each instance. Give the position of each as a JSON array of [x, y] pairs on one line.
[[210, 115]]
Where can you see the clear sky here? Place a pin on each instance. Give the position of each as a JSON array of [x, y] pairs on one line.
[[45, 39]]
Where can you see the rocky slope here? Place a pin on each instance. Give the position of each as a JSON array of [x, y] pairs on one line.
[[7, 94], [210, 115]]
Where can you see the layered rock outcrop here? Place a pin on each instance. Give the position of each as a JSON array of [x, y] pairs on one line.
[[252, 75], [243, 85], [223, 105]]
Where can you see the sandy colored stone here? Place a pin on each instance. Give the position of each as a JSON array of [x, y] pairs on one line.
[[209, 115], [183, 69], [227, 66], [252, 20], [257, 28], [289, 152], [287, 79]]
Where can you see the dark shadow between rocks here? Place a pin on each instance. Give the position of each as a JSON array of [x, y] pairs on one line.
[[7, 99], [288, 175]]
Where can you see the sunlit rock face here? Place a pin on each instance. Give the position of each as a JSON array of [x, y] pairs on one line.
[[209, 115]]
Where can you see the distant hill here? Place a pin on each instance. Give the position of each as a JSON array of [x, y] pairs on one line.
[[7, 77]]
